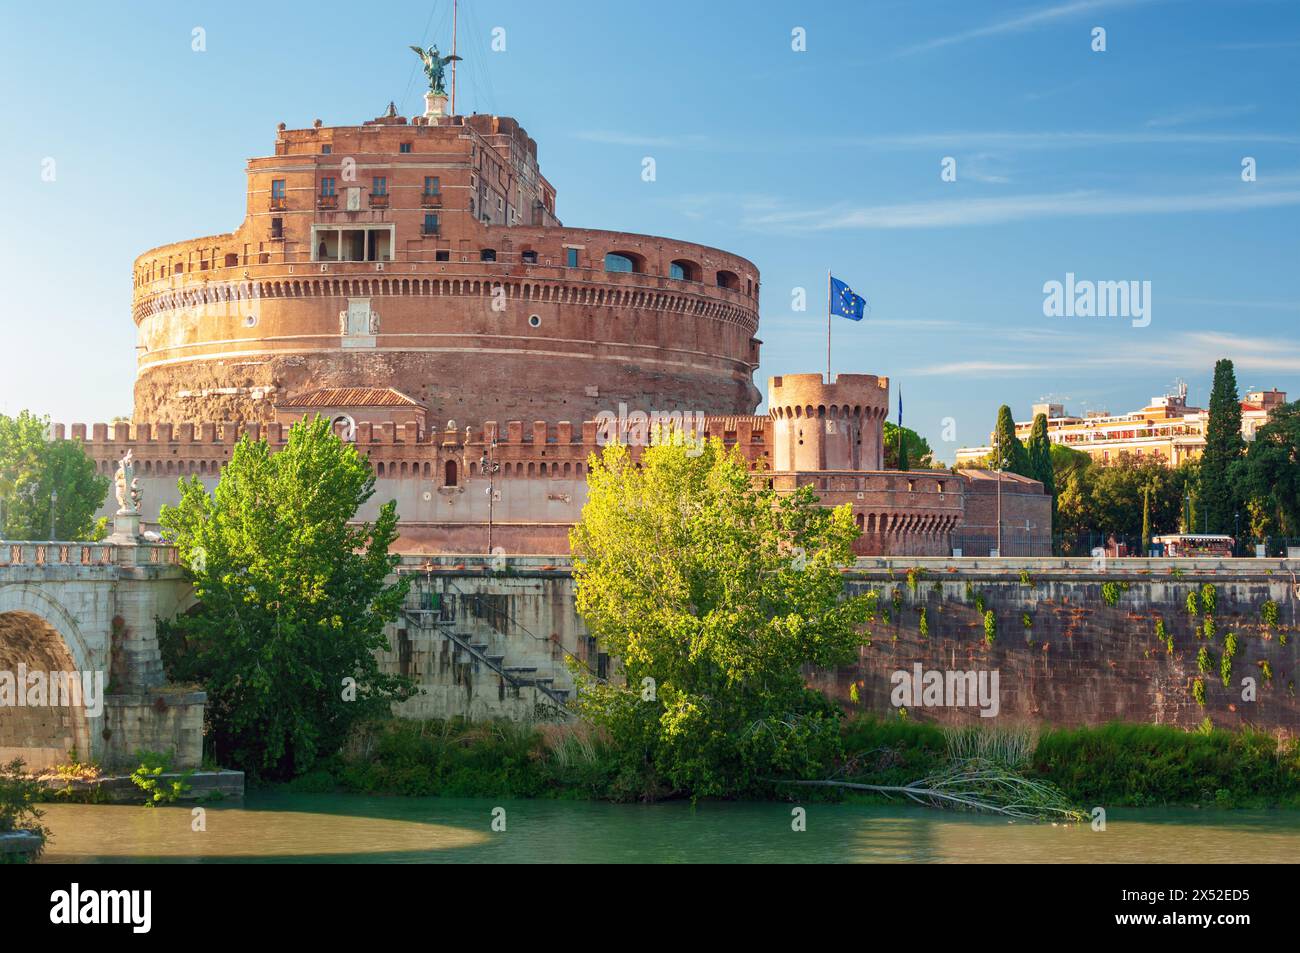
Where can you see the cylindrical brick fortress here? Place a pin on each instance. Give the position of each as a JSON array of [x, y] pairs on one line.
[[818, 425], [426, 257]]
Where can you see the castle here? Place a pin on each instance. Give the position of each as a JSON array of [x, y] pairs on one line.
[[409, 280]]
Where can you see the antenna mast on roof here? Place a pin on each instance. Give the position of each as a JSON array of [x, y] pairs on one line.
[[455, 9]]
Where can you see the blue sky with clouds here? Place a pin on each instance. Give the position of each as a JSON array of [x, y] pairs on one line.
[[1115, 165]]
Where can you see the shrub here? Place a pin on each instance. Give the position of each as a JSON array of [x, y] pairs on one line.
[[1209, 598], [19, 794], [1268, 613], [990, 627]]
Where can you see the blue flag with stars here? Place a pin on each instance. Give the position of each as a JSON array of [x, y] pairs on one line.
[[845, 303]]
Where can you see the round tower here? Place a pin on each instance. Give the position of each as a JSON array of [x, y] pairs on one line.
[[828, 426]]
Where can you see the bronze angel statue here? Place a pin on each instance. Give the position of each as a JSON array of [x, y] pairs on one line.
[[434, 65]]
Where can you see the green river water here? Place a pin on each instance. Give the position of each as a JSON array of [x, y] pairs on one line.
[[339, 828]]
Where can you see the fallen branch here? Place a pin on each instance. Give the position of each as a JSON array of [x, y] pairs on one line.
[[976, 786]]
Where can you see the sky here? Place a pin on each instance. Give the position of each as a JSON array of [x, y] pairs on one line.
[[1122, 164]]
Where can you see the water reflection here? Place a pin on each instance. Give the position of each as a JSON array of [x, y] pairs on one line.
[[345, 828]]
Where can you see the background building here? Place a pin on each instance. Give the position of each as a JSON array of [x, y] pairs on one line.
[[1167, 429]]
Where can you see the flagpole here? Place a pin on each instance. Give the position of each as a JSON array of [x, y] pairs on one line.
[[828, 327]]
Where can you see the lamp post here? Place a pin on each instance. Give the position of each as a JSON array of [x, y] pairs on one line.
[[54, 500], [1236, 531], [998, 470], [489, 468]]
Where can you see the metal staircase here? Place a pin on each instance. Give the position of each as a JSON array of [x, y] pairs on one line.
[[440, 618]]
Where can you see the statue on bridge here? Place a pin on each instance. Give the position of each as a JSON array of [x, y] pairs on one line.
[[129, 494]]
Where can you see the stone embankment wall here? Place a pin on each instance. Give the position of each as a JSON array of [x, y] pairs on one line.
[[1081, 659]]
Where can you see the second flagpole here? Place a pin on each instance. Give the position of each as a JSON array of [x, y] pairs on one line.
[[828, 326]]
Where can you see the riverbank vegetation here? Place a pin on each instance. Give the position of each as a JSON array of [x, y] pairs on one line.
[[1117, 765], [19, 795]]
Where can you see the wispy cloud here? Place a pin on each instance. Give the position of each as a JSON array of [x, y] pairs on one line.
[[613, 138], [1071, 139], [1001, 210], [1206, 114], [1260, 45], [1020, 23], [1185, 352]]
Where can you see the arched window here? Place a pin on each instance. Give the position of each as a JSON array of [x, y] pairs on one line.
[[683, 270], [728, 279], [450, 474], [624, 261]]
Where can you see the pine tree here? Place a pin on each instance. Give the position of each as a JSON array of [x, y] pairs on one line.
[[1223, 447], [1008, 452]]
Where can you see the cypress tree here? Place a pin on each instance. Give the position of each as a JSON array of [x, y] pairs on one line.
[[1008, 452], [1223, 447], [1039, 452], [902, 449]]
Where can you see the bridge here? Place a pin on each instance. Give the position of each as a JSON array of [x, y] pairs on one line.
[[80, 669]]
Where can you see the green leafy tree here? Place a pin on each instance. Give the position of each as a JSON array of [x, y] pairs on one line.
[[916, 447], [293, 600], [713, 592], [1008, 452], [37, 474], [1223, 447], [1269, 474]]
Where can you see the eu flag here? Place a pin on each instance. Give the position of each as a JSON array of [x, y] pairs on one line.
[[845, 303]]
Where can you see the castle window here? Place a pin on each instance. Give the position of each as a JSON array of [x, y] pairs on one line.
[[571, 257], [487, 254], [442, 254], [728, 279], [449, 473], [430, 223], [431, 185], [683, 270], [529, 257], [277, 228], [277, 193], [379, 185], [624, 262], [404, 147], [327, 186], [326, 149]]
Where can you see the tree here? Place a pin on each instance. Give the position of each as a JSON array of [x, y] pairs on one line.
[[917, 448], [1008, 452], [1268, 476], [713, 592], [1223, 447], [293, 600], [1146, 519], [1038, 451], [36, 474]]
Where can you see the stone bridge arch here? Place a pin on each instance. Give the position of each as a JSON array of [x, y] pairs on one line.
[[37, 634]]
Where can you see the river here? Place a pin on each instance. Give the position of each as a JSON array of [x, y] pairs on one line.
[[338, 828]]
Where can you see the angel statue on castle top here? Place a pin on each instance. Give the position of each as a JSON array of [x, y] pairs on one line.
[[434, 66]]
